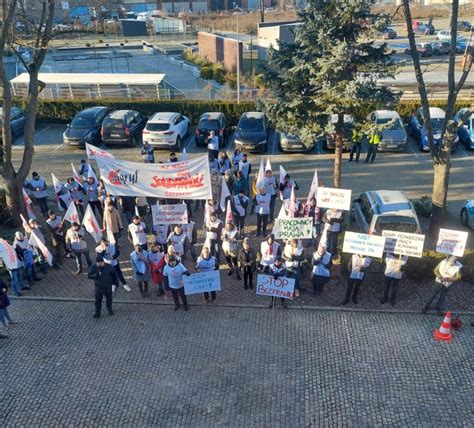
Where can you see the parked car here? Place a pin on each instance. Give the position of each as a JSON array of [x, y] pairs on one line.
[[17, 122], [461, 44], [418, 131], [464, 26], [378, 210], [466, 131], [467, 214], [329, 143], [292, 143], [394, 136], [417, 26], [213, 121], [166, 130], [441, 48], [389, 33], [85, 127], [252, 132], [123, 127], [423, 49], [444, 36]]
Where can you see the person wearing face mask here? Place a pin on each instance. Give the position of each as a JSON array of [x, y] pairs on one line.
[[229, 246], [112, 220], [262, 203], [91, 190], [37, 187], [141, 270], [247, 264], [173, 274], [111, 253], [272, 186], [223, 163], [179, 240], [358, 265], [76, 193], [207, 263], [156, 262], [137, 231], [76, 242], [213, 235], [321, 273], [269, 250]]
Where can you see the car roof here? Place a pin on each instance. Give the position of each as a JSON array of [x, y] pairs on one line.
[[386, 114], [390, 201], [162, 116], [435, 112], [91, 111], [119, 114], [253, 115], [212, 115]]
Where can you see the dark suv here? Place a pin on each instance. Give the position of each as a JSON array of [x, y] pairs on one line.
[[213, 121], [85, 127], [252, 132], [17, 122], [123, 127]]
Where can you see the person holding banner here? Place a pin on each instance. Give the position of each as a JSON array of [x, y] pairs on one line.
[[293, 256], [247, 263], [76, 193], [156, 263], [447, 272], [91, 190], [173, 274], [207, 263], [58, 239], [179, 240], [321, 273], [110, 254], [26, 255], [137, 231], [278, 270], [333, 219], [262, 208], [105, 278], [113, 220], [214, 228], [229, 246], [272, 188], [239, 206], [76, 242], [269, 250], [394, 266], [16, 276], [358, 265], [37, 187], [141, 270], [148, 153], [34, 227]]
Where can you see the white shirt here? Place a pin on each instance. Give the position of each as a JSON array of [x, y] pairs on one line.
[[336, 227], [268, 253], [320, 269], [357, 264], [271, 185], [289, 252], [393, 266], [177, 241], [206, 265], [244, 167], [263, 203], [213, 143], [138, 233], [238, 206]]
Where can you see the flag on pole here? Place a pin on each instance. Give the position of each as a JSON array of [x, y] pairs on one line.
[[268, 166], [184, 156], [136, 211], [292, 203], [224, 193], [57, 190], [67, 199], [110, 235], [259, 178], [25, 224], [94, 153], [282, 174], [8, 255], [75, 175], [91, 225], [314, 187], [228, 213], [29, 205], [36, 242], [91, 173], [71, 214]]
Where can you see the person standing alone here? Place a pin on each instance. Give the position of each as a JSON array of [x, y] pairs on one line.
[[104, 277]]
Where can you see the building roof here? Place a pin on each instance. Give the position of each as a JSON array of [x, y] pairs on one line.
[[92, 78]]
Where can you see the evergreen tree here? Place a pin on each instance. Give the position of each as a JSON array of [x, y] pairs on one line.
[[331, 67]]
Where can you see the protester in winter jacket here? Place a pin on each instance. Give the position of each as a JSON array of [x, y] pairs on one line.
[[207, 263], [247, 264], [76, 193], [26, 255], [321, 273], [269, 250], [314, 212], [5, 317], [105, 278], [191, 232], [446, 272], [84, 169], [358, 265], [223, 163], [141, 269], [246, 167], [110, 253], [394, 266], [293, 257], [16, 276], [137, 233], [112, 220], [156, 263], [58, 236], [333, 219], [148, 153], [285, 187], [240, 185], [278, 270], [272, 188], [236, 158], [262, 208], [37, 187], [229, 246], [173, 273], [76, 242]]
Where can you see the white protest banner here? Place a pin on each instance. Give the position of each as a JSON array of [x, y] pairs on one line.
[[282, 174], [75, 175], [451, 242], [293, 228], [267, 285], [94, 153], [29, 206], [268, 165], [202, 282], [314, 187], [90, 223], [36, 242], [225, 193], [71, 214], [67, 199], [339, 199], [169, 214], [361, 243], [8, 255], [173, 180], [405, 244]]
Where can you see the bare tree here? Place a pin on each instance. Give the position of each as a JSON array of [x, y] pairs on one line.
[[37, 41], [441, 153]]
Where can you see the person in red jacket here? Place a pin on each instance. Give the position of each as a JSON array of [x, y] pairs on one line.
[[156, 262]]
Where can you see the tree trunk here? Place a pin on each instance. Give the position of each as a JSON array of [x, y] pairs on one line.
[[338, 151], [439, 196], [14, 200], [262, 10]]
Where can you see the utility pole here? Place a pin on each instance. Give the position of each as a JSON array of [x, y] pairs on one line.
[[237, 9]]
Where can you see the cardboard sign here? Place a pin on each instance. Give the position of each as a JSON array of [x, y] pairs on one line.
[[281, 287], [202, 282], [169, 214], [339, 199], [406, 244], [293, 228], [451, 242], [361, 243]]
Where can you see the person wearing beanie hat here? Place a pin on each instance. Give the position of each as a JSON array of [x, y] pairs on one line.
[[269, 249], [447, 272], [229, 246], [105, 279], [247, 263]]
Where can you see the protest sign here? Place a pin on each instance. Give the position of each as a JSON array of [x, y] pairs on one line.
[[94, 153], [283, 287], [361, 243], [169, 214], [293, 228], [189, 179], [202, 282], [339, 199], [8, 255], [451, 242], [405, 244]]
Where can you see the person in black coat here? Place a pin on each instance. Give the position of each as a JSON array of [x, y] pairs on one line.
[[105, 277]]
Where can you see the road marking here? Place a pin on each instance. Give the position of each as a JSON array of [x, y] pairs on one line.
[[61, 146], [413, 150]]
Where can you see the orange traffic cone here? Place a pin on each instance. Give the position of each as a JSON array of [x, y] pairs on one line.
[[444, 332]]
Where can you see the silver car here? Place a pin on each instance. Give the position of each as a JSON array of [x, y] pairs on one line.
[[394, 136], [292, 143]]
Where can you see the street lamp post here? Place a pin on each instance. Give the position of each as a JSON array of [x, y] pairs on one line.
[[237, 9]]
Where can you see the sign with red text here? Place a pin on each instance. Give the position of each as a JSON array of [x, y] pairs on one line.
[[451, 242], [405, 244], [169, 214], [339, 199], [91, 225], [283, 287], [190, 179]]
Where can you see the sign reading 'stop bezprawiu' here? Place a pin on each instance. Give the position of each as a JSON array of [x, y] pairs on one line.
[[189, 179]]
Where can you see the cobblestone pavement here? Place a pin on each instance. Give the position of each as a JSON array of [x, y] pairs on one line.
[[151, 366]]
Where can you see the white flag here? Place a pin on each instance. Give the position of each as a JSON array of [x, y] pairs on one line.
[[67, 199], [99, 155], [282, 174], [260, 174], [71, 214], [292, 203], [224, 193], [56, 184], [314, 187], [36, 242], [8, 255], [268, 166], [91, 225], [29, 206], [110, 235], [91, 173], [75, 175], [228, 214], [25, 224], [184, 156]]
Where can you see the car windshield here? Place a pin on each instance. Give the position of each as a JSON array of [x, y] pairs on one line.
[[113, 123], [437, 125], [397, 223], [82, 122], [251, 124], [394, 123], [157, 126], [208, 124]]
